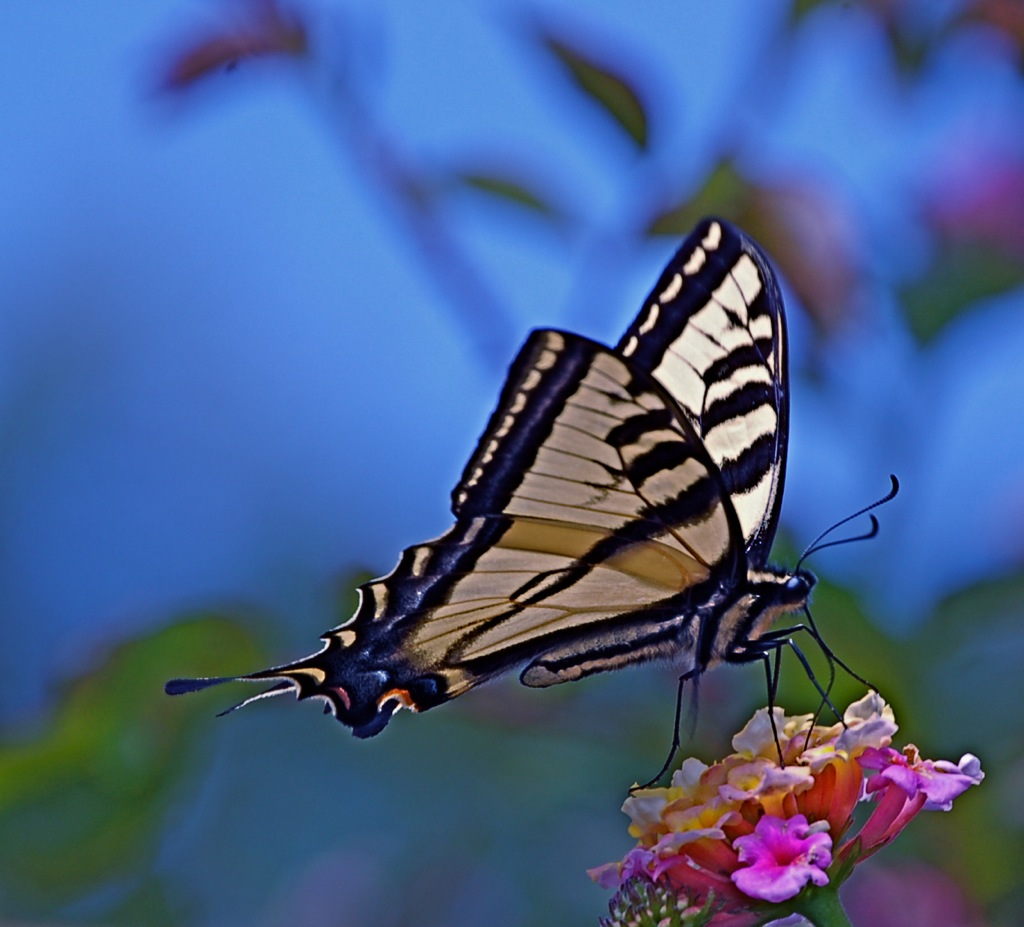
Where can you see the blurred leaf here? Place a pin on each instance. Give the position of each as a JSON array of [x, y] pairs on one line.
[[507, 190], [978, 608], [962, 274], [800, 8], [90, 787], [805, 230], [725, 193], [969, 696], [911, 42], [972, 637], [266, 32], [609, 88], [856, 640]]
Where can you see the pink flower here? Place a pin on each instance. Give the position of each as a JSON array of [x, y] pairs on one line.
[[754, 830], [782, 857], [637, 862], [939, 780]]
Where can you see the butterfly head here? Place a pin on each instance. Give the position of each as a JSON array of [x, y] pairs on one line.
[[799, 585], [781, 590]]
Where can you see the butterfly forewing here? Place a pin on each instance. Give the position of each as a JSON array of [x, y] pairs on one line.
[[713, 333]]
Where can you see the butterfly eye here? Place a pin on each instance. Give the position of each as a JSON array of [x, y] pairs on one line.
[[800, 583]]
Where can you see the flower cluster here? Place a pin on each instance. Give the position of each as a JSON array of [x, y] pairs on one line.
[[751, 832]]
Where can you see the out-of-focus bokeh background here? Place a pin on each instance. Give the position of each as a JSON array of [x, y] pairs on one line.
[[262, 268]]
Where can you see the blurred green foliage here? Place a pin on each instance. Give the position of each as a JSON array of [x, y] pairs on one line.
[[509, 190], [964, 274], [604, 84], [92, 783]]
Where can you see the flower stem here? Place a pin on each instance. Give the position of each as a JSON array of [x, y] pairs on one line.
[[821, 906]]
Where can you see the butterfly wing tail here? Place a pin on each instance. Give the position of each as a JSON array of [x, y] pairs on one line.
[[181, 686], [360, 700]]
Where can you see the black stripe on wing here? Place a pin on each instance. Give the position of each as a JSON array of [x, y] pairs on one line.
[[580, 436], [521, 422]]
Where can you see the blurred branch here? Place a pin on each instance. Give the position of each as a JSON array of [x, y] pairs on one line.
[[413, 192], [263, 30], [409, 188]]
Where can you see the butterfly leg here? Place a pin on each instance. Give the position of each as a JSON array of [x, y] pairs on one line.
[[772, 644], [772, 672], [782, 636], [811, 629], [763, 649], [825, 692], [693, 675]]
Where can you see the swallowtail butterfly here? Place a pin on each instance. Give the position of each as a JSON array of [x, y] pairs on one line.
[[619, 508]]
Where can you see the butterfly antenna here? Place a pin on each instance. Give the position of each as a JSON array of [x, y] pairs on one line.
[[816, 544], [866, 536]]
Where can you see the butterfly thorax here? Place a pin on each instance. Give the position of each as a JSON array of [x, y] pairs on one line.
[[749, 612]]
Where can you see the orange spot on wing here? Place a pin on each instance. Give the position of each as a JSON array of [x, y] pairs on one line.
[[401, 696]]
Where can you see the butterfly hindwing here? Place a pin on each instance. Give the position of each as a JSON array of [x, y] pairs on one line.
[[590, 521]]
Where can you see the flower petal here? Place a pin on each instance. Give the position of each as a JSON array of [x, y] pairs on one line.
[[783, 856], [939, 780], [758, 737]]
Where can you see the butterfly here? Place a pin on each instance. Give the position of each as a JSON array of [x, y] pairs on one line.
[[619, 508]]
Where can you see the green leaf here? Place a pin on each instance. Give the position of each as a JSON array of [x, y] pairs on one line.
[[963, 273], [610, 89], [83, 796], [966, 695], [508, 190], [725, 192], [801, 8]]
